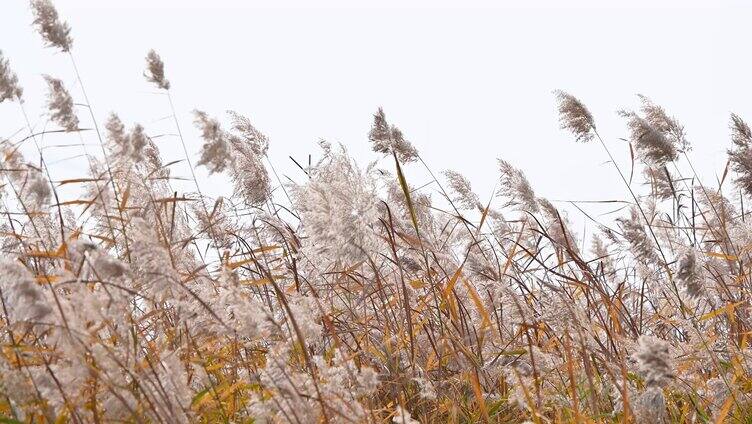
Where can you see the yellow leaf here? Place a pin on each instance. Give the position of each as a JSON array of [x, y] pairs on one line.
[[729, 308], [722, 256], [417, 284], [452, 281], [233, 265], [478, 304], [43, 254], [46, 279], [723, 412], [214, 367]]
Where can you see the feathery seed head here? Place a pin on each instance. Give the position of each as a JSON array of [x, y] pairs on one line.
[[60, 104], [124, 145], [215, 153], [256, 141], [741, 135], [657, 137], [248, 173], [155, 70], [338, 208], [660, 181], [463, 191], [652, 145], [689, 273], [650, 406], [138, 141], [514, 186], [654, 361], [117, 139], [575, 117], [54, 32], [641, 245], [9, 88], [22, 295], [36, 188], [741, 156], [388, 139], [672, 129]]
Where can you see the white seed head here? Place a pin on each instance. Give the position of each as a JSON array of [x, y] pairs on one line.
[[155, 70], [575, 117], [60, 104], [54, 32], [9, 88]]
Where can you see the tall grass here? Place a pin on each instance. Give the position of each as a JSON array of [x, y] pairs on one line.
[[353, 296]]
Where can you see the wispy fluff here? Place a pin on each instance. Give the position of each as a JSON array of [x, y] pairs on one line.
[[575, 117], [650, 406], [22, 295], [515, 188], [124, 145], [139, 141], [741, 135], [654, 361], [9, 88], [250, 179], [557, 226], [387, 138], [155, 70], [652, 146], [152, 262], [689, 273], [36, 189], [660, 181], [640, 243], [256, 141], [657, 117], [718, 211], [215, 153], [657, 137], [60, 104], [599, 248], [238, 152], [463, 192], [338, 207], [116, 135], [216, 222], [49, 26], [741, 155]]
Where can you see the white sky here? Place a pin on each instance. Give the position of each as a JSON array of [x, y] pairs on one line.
[[465, 84]]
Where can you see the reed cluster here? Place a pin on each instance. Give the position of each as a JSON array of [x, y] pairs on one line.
[[352, 296]]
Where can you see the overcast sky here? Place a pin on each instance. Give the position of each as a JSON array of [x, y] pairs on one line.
[[466, 84]]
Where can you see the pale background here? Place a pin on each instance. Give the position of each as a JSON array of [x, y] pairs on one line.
[[467, 82]]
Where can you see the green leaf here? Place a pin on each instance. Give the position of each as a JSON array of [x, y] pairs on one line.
[[406, 191]]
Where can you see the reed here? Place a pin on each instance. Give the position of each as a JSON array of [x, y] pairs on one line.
[[352, 296]]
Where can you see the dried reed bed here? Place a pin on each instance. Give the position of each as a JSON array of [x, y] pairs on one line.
[[354, 297]]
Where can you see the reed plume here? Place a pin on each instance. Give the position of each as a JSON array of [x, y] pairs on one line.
[[386, 138], [55, 33], [341, 293], [60, 104], [575, 117], [9, 88], [155, 70], [740, 155]]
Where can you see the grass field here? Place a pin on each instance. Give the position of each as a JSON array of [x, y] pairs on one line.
[[354, 296]]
